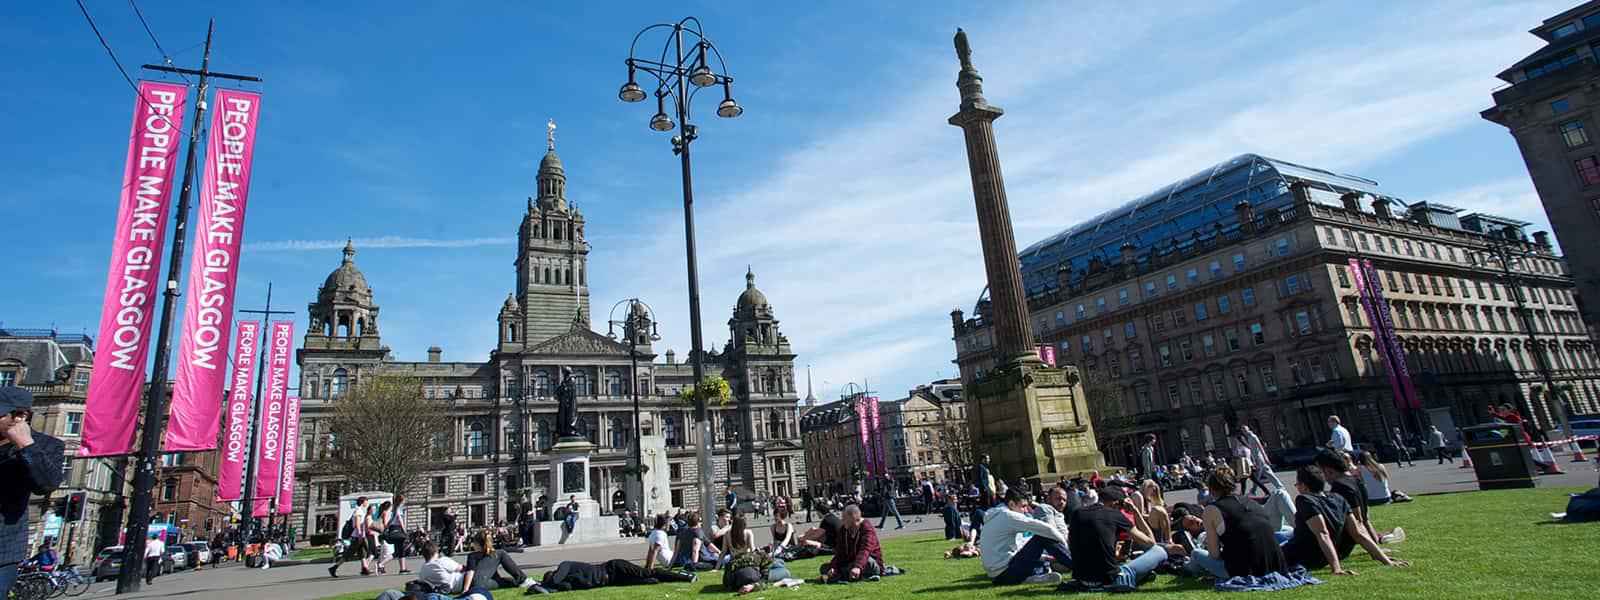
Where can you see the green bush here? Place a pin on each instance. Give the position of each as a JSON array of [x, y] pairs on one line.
[[322, 539]]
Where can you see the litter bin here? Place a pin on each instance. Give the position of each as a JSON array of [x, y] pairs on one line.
[[1500, 456]]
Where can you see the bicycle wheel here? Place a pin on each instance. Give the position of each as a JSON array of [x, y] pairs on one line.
[[75, 584]]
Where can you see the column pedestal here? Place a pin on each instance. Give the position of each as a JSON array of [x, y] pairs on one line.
[[569, 477]]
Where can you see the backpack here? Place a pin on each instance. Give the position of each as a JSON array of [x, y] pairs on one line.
[[349, 529]]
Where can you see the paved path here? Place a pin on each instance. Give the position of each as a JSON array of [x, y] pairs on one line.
[[311, 581]]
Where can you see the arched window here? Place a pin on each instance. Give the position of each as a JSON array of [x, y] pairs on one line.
[[341, 383], [770, 385], [580, 383], [1205, 437], [587, 427], [775, 425], [614, 383], [544, 435], [619, 433], [730, 429], [541, 384], [477, 442], [547, 275]]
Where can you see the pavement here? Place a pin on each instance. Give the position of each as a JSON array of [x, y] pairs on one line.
[[305, 581]]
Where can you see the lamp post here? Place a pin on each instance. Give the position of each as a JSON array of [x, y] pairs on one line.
[[639, 321], [673, 80], [1501, 252]]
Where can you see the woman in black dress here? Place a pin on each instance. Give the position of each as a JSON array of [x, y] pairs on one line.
[[1239, 536]]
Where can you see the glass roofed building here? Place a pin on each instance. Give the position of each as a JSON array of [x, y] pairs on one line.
[[1228, 299]]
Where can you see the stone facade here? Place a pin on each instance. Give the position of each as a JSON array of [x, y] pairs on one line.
[[924, 431], [1550, 107], [504, 407], [1257, 321]]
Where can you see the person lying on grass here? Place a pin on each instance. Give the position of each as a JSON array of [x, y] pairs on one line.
[[1007, 563], [573, 575]]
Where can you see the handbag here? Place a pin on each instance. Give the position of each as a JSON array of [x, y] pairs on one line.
[[394, 534]]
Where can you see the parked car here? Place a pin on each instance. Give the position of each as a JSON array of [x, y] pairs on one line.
[[1581, 427], [179, 556], [107, 563], [199, 553], [1292, 458]]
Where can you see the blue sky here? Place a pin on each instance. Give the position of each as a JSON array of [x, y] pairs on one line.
[[417, 131]]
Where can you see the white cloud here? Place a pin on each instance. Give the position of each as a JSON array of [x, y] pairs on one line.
[[387, 241]]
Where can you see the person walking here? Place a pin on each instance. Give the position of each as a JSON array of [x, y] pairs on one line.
[[153, 551], [985, 484], [1402, 454], [1436, 439], [1262, 467], [1339, 437], [30, 464], [1147, 457], [355, 531], [891, 495]]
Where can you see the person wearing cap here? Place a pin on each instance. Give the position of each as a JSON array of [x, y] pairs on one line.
[[30, 463]]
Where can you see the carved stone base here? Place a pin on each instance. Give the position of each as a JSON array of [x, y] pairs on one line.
[[1033, 422], [569, 476]]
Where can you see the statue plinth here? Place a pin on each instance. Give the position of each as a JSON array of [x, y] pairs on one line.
[[1033, 421], [569, 478]]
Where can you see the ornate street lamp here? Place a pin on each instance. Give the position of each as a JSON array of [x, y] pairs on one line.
[[674, 81], [637, 322]]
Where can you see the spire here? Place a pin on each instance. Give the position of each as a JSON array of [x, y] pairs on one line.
[[550, 137], [349, 250], [749, 277], [811, 398]]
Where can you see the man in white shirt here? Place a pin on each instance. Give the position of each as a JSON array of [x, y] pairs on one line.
[[659, 543], [153, 551], [1339, 438], [441, 572], [1008, 564]]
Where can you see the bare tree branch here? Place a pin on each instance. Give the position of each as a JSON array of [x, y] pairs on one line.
[[384, 432]]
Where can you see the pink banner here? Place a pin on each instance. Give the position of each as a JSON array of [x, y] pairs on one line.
[[197, 392], [876, 449], [291, 446], [864, 424], [236, 450], [1370, 290], [133, 283], [1047, 354], [268, 458]]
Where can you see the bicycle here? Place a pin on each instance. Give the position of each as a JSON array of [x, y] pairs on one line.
[[69, 581]]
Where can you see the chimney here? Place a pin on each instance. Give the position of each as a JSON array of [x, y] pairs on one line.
[[1130, 260], [1380, 207], [1542, 238], [1246, 214], [957, 319], [1302, 195], [1064, 275], [672, 357], [433, 353], [1351, 200]]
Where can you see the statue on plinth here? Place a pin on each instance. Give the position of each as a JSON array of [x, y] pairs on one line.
[[567, 407]]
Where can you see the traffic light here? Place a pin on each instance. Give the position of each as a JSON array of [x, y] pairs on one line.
[[211, 524], [74, 506]]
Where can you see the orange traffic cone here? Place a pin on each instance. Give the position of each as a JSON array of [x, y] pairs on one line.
[[1550, 458], [1577, 452]]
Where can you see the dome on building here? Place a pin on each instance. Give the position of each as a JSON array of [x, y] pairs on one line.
[[551, 163], [752, 299], [511, 304], [345, 279]]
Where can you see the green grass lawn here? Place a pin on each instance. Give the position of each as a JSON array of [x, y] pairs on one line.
[[313, 553], [1495, 544]]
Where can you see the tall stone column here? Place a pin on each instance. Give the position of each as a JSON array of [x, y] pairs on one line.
[[1012, 332]]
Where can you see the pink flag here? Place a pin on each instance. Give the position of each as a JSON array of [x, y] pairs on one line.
[[267, 460], [197, 391], [864, 425], [291, 445], [133, 284], [237, 448]]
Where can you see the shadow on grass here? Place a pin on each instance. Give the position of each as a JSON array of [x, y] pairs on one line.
[[975, 582]]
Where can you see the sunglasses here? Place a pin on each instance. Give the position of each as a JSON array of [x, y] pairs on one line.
[[21, 414]]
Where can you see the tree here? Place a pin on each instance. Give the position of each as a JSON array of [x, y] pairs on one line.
[[384, 432], [955, 440]]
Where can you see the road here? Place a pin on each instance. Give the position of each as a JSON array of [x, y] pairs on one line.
[[298, 582]]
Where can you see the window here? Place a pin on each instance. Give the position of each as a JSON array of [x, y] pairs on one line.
[[1088, 344], [1200, 311], [1296, 373], [1150, 289], [619, 433], [1157, 323], [341, 382], [1257, 336], [1194, 276], [1128, 330], [1081, 312], [1061, 318], [1224, 305], [1144, 400], [1292, 284], [1573, 134], [1185, 350], [1100, 306], [675, 471], [80, 381], [613, 383], [1208, 345], [476, 484], [1344, 276], [1122, 297], [1194, 393], [1216, 270], [477, 515], [1248, 295], [1114, 367], [1238, 262], [1179, 318], [1316, 370], [1241, 380], [1269, 383], [74, 423], [1560, 106], [477, 442], [437, 486], [1231, 336], [1172, 396], [1302, 322], [1588, 170], [1218, 392], [169, 490], [1135, 361], [1172, 283], [1106, 333], [1564, 31], [541, 384], [1282, 245], [1164, 355]]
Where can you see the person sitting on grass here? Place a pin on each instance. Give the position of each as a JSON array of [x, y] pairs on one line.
[[572, 575], [1345, 481], [748, 567], [659, 544], [820, 540], [1338, 518], [1239, 536], [857, 555], [485, 564], [782, 532], [441, 573], [1155, 510], [719, 532], [1092, 540], [1376, 479], [1008, 564], [694, 550]]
